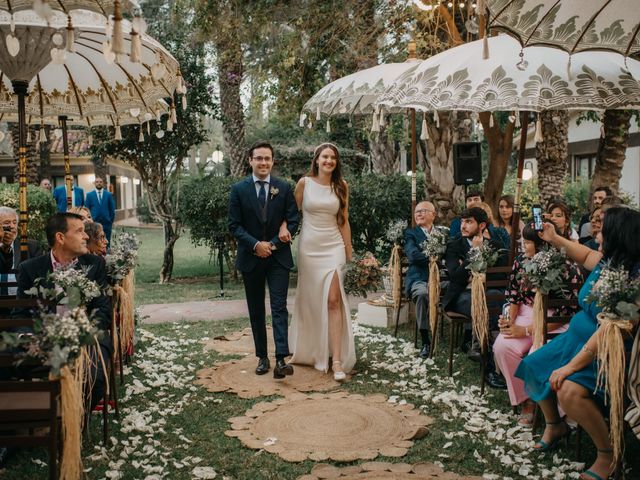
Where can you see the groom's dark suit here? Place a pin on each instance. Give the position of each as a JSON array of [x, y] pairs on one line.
[[250, 224]]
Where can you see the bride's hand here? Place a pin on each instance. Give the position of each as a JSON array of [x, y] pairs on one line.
[[284, 235]]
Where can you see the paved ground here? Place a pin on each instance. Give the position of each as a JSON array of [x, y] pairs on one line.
[[210, 310]]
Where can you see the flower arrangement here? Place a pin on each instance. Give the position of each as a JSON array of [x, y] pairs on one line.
[[395, 231], [482, 257], [66, 286], [123, 257], [616, 294], [361, 275], [544, 270], [58, 339], [436, 244]]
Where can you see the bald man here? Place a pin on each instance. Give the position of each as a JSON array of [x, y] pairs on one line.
[[418, 274]]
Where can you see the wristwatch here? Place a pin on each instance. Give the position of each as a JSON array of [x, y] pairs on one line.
[[273, 247]]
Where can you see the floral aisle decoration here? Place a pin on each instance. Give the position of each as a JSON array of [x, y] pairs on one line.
[[479, 259], [434, 248], [121, 262], [361, 275], [395, 234], [619, 298], [544, 272], [61, 341]]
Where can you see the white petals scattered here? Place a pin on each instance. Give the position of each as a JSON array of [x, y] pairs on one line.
[[204, 472]]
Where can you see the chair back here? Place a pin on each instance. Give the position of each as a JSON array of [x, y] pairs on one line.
[[497, 279], [548, 303]]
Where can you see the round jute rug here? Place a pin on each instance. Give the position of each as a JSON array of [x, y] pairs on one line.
[[239, 343], [238, 376], [336, 426], [383, 471]]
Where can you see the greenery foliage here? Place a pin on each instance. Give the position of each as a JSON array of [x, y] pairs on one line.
[[40, 206]]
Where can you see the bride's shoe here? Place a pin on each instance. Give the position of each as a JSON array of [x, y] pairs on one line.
[[338, 373]]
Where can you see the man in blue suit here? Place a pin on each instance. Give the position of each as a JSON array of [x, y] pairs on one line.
[[102, 206], [60, 196], [418, 272], [258, 206]]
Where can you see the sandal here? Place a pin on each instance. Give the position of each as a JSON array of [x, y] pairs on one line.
[[526, 420], [543, 446], [591, 475], [338, 373]]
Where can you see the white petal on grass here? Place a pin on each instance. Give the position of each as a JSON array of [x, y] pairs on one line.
[[204, 473]]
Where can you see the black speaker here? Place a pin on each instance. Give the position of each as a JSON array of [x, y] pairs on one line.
[[467, 163]]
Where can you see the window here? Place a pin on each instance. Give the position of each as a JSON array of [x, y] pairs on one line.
[[583, 166]]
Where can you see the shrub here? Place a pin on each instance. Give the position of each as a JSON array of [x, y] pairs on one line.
[[40, 205], [144, 212]]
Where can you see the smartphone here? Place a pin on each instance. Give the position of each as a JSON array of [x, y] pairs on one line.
[[536, 210], [506, 308]]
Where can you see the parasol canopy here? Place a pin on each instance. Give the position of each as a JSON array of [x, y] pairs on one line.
[[571, 25]]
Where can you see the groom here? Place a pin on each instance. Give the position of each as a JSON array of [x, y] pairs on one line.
[[258, 206]]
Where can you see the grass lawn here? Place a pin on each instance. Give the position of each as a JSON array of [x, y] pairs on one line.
[[172, 429], [195, 272]]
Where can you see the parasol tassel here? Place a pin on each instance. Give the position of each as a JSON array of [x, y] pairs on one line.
[[436, 118], [538, 137], [141, 136], [28, 135], [118, 134], [328, 127], [90, 139], [43, 134], [117, 41], [424, 129], [169, 125], [602, 135], [485, 47], [375, 125], [148, 128], [71, 37], [569, 68], [349, 124], [517, 115], [184, 102], [136, 47], [382, 119], [303, 117], [318, 112], [174, 115], [491, 122]]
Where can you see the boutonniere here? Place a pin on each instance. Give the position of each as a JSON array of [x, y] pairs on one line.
[[273, 191]]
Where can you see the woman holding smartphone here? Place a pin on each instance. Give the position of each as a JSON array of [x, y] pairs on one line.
[[515, 340]]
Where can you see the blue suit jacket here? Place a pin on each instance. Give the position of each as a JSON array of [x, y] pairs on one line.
[[102, 212], [247, 225], [60, 196], [418, 262]]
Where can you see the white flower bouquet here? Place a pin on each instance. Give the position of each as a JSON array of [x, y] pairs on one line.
[[69, 287], [395, 231], [544, 271], [616, 294], [482, 257], [436, 244], [123, 257]]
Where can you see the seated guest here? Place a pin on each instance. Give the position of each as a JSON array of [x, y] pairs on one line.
[[597, 197], [515, 341], [505, 215], [97, 243], [471, 199], [495, 232], [563, 372], [595, 223], [84, 212], [418, 273], [457, 297], [68, 242], [558, 212]]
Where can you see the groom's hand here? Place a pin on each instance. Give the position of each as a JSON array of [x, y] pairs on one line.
[[263, 249]]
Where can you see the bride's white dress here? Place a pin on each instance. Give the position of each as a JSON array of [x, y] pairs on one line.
[[320, 254]]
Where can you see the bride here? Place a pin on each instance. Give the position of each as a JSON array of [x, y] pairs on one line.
[[320, 327]]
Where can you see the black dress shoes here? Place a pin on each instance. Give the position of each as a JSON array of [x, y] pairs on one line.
[[263, 366], [424, 353], [495, 380], [282, 369]]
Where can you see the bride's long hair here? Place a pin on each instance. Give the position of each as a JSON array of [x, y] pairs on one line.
[[338, 183]]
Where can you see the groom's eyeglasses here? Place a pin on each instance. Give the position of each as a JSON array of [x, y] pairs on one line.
[[262, 159]]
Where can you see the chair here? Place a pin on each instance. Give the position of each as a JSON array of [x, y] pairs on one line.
[[28, 408]]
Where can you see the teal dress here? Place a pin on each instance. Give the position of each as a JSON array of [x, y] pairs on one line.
[[536, 368]]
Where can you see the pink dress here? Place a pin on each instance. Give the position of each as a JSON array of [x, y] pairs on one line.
[[508, 352]]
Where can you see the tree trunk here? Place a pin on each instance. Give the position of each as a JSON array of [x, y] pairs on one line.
[[33, 158], [383, 152], [45, 155], [100, 166], [551, 154], [500, 146], [230, 72], [439, 185], [171, 236], [612, 150]]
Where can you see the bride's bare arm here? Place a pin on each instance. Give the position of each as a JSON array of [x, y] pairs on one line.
[[345, 230]]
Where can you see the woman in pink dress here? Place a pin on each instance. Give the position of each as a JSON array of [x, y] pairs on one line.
[[515, 341]]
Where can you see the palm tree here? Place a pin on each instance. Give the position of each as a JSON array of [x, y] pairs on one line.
[[612, 149], [551, 153]]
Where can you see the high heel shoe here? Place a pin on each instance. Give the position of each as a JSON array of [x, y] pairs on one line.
[[338, 373], [591, 475], [543, 446]]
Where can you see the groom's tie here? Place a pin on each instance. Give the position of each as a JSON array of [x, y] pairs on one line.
[[262, 199], [100, 197]]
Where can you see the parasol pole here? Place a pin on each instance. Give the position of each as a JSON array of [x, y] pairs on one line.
[[414, 154], [68, 179], [20, 89], [515, 219]]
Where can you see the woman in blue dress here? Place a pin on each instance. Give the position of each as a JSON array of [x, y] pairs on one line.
[[563, 372]]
